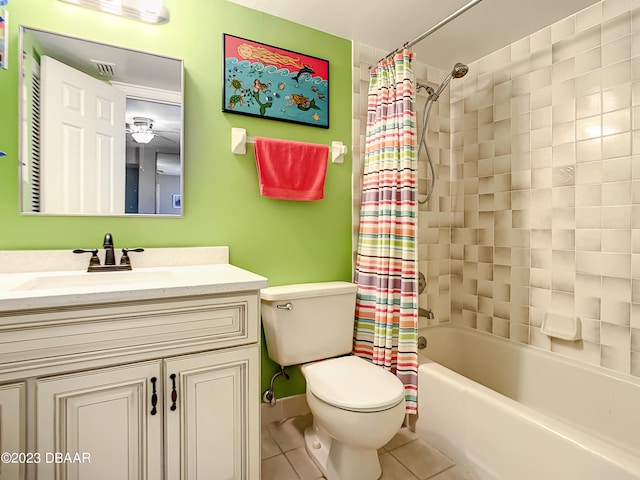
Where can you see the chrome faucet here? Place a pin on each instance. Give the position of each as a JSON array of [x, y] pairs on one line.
[[109, 257]]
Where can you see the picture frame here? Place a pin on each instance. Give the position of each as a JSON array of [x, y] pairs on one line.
[[176, 200], [269, 82], [4, 39]]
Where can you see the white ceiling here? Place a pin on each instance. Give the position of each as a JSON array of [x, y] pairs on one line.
[[485, 28]]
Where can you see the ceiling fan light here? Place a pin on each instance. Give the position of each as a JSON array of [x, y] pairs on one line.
[[143, 137]]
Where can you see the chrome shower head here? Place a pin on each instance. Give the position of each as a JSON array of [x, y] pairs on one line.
[[459, 70]]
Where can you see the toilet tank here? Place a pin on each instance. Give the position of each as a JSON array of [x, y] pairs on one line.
[[309, 321]]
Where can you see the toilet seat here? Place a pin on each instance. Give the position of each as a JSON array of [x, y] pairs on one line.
[[352, 383]]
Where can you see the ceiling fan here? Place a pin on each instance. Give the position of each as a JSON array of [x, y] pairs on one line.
[[142, 130]]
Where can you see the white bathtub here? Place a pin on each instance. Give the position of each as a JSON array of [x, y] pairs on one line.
[[542, 417]]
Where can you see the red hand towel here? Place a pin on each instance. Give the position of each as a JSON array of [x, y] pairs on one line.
[[291, 170]]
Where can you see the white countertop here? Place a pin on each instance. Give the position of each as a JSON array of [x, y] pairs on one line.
[[178, 276]]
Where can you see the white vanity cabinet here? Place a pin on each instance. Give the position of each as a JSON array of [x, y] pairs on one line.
[[161, 383], [193, 414]]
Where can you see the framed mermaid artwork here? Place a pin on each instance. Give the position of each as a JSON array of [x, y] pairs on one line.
[[4, 37], [270, 82]]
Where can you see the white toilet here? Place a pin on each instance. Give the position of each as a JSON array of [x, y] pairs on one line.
[[357, 407]]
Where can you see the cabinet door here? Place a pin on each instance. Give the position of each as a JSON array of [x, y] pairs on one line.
[[214, 432], [12, 427], [103, 424]]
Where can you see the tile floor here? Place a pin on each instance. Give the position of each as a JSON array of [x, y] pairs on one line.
[[405, 457]]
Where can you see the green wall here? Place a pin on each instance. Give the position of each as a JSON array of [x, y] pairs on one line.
[[288, 242]]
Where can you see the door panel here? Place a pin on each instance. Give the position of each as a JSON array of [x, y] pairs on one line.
[[103, 420], [12, 429], [83, 142], [214, 432]]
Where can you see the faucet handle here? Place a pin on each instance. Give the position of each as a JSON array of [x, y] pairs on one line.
[[124, 260], [94, 260]]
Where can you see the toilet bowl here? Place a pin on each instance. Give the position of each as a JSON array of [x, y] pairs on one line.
[[357, 408]]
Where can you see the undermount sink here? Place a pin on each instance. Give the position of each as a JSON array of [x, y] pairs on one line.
[[75, 280]]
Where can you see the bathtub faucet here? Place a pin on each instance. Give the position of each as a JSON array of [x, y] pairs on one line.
[[426, 312]]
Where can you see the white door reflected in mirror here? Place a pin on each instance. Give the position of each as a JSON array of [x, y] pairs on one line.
[[81, 104], [80, 117]]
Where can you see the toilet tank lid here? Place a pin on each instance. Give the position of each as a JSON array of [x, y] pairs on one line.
[[306, 290]]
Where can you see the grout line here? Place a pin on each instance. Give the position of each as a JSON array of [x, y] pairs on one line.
[[292, 467], [448, 468]]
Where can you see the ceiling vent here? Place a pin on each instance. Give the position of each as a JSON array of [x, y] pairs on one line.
[[105, 68]]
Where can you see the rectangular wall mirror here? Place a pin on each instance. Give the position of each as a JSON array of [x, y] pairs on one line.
[[101, 128]]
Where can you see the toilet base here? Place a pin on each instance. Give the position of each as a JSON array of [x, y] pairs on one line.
[[338, 461]]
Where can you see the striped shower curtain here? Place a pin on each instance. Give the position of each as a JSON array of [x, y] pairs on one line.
[[386, 323]]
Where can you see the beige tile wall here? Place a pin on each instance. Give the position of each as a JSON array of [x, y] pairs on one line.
[[537, 204], [547, 134]]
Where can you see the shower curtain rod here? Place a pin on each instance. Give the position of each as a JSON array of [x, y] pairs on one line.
[[437, 26]]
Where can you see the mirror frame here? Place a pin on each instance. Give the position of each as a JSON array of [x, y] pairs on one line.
[[24, 135]]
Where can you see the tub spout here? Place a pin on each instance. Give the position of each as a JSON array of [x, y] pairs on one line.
[[426, 312]]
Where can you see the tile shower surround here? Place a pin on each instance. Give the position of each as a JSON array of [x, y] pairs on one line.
[[537, 201]]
